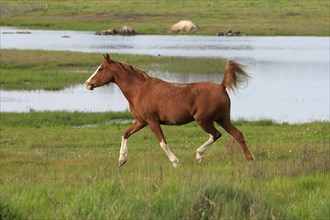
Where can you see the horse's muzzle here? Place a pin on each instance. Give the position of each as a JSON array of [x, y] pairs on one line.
[[89, 86]]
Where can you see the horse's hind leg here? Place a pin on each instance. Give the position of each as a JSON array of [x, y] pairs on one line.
[[123, 148], [233, 131], [214, 134]]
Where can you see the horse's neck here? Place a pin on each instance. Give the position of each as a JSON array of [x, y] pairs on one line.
[[131, 83]]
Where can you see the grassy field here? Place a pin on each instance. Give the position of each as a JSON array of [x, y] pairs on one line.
[[59, 165], [269, 17], [52, 70]]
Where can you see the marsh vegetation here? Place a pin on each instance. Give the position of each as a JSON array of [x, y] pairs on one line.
[[54, 70], [64, 165], [267, 18]]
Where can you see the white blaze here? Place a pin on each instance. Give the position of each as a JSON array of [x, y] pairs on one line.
[[89, 79]]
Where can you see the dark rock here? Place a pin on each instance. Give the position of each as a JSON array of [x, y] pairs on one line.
[[230, 33], [107, 32]]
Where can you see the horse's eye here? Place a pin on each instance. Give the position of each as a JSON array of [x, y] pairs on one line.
[[101, 69]]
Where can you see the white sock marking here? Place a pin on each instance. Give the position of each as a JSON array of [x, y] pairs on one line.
[[123, 149], [203, 148], [170, 155]]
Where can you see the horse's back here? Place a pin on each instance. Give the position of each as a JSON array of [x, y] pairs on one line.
[[187, 93]]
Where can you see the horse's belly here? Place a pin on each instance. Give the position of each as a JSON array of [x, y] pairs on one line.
[[176, 117], [173, 121]]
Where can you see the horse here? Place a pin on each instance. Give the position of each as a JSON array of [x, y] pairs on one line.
[[154, 102]]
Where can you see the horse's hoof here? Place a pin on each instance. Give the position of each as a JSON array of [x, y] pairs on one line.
[[199, 158], [250, 158], [176, 164], [121, 162]]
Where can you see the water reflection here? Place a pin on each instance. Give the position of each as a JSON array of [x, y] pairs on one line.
[[285, 92], [75, 98]]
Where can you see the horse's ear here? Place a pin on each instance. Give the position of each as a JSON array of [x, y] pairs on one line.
[[107, 57]]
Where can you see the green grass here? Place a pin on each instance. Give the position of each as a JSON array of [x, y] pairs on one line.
[[53, 70], [64, 165], [270, 17]]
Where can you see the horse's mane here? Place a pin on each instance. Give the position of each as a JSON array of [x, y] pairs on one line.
[[133, 71]]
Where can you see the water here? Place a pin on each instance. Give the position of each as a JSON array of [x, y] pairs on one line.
[[290, 74], [287, 49]]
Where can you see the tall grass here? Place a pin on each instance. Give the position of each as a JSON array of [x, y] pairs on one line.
[[64, 168]]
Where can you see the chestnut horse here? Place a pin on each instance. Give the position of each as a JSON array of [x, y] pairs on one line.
[[153, 102]]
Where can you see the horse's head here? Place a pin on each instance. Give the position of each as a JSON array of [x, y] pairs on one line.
[[102, 75]]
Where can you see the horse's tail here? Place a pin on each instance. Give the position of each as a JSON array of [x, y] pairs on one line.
[[234, 75]]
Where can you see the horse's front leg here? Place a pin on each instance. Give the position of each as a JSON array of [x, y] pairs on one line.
[[136, 126], [155, 127]]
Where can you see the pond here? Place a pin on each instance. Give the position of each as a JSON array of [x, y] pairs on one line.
[[290, 75]]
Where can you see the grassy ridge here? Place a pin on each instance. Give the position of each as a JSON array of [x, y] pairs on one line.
[[65, 166], [271, 17], [53, 70]]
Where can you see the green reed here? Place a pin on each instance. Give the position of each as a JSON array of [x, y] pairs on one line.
[[65, 167], [271, 17]]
